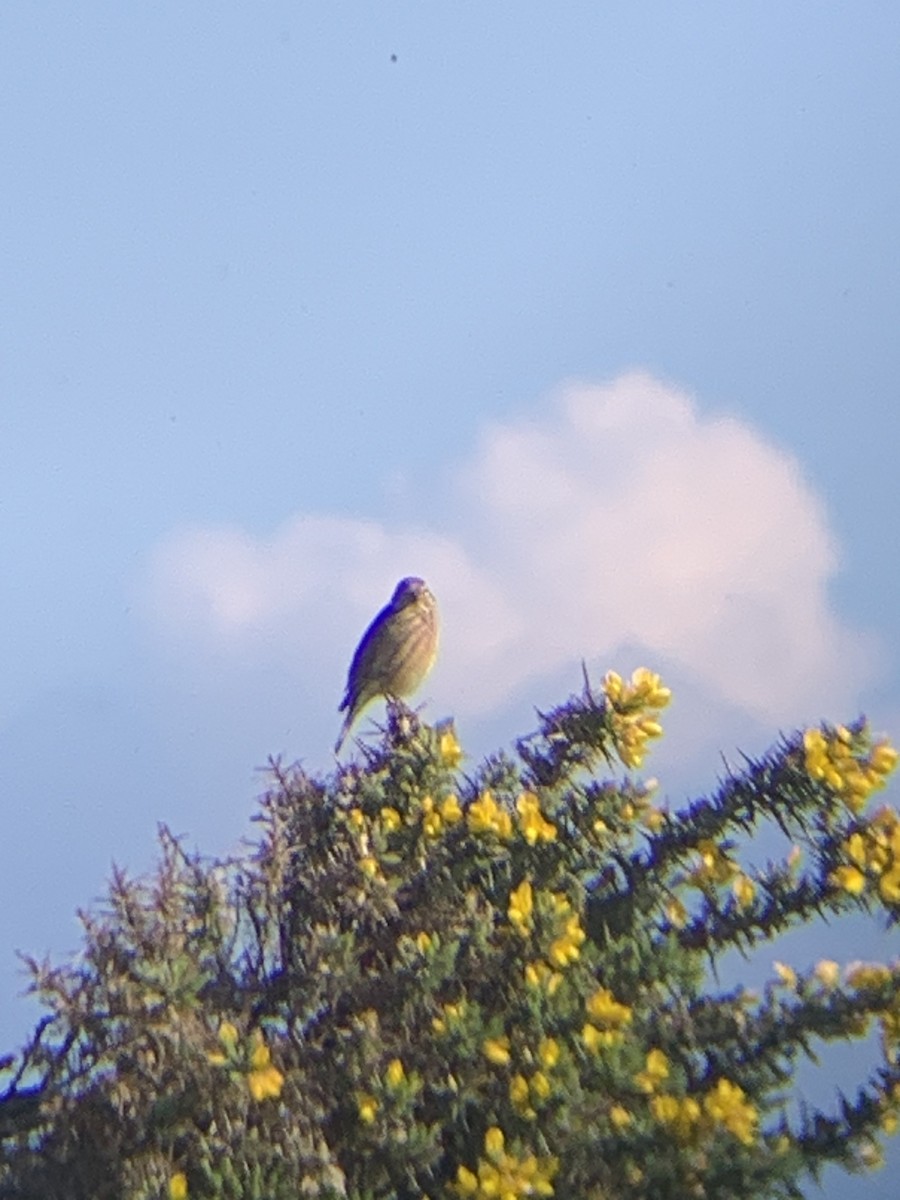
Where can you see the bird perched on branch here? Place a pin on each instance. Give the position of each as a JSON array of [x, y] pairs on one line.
[[396, 652]]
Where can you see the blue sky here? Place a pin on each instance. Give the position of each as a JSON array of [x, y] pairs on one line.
[[589, 315]]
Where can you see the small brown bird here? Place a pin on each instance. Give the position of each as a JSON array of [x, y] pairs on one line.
[[396, 652]]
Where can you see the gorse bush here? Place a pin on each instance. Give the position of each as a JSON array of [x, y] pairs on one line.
[[426, 983]]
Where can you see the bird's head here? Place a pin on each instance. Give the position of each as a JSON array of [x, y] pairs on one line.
[[411, 590]]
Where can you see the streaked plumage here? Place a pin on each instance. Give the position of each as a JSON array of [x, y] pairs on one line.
[[396, 652]]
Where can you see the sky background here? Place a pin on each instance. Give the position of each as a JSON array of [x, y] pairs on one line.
[[587, 313]]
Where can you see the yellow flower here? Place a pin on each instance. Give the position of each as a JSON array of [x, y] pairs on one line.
[[649, 687], [496, 1050], [494, 1142], [567, 947], [828, 972], [600, 1039], [521, 906], [368, 864], [848, 879], [744, 889], [466, 1182], [786, 975], [357, 818], [715, 865], [519, 1094], [486, 816], [855, 849], [867, 975], [548, 1052], [655, 1071], [228, 1035], [391, 819], [889, 885], [682, 1115], [395, 1074], [654, 819], [452, 1015], [178, 1186], [533, 826], [608, 1012], [727, 1104], [265, 1081], [450, 749], [423, 941], [619, 1117], [664, 1109], [431, 818], [883, 758], [367, 1107], [450, 810]]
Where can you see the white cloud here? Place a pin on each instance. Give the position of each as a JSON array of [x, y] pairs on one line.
[[619, 518]]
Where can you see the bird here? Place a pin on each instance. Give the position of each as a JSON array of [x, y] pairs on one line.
[[395, 653]]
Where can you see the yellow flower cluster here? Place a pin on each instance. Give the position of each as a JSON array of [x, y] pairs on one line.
[[726, 1106], [868, 975], [655, 1071], [873, 977], [496, 1051], [533, 825], [681, 1114], [361, 827], [634, 709], [608, 1019], [485, 815], [874, 854], [521, 908], [527, 1092], [452, 1015], [449, 748], [540, 975], [715, 867], [264, 1080], [435, 816], [849, 761], [568, 936], [565, 948], [500, 1175]]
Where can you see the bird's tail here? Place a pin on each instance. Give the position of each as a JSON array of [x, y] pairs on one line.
[[345, 729]]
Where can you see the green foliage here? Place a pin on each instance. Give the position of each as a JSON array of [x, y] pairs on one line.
[[419, 983]]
